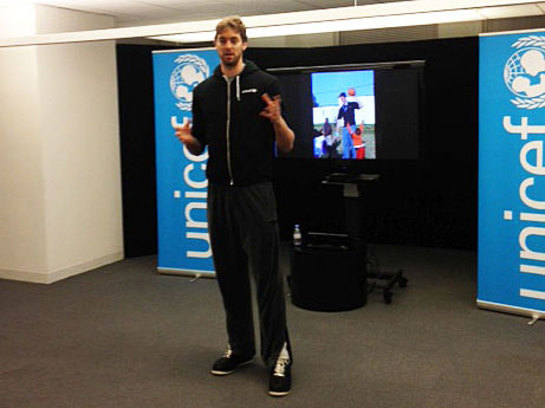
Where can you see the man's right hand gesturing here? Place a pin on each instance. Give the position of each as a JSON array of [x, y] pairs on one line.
[[183, 133]]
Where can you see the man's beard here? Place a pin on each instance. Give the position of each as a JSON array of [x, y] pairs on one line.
[[233, 62]]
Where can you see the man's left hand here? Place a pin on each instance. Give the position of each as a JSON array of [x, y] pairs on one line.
[[272, 110]]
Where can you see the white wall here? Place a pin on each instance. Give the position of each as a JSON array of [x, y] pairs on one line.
[[60, 211], [22, 218]]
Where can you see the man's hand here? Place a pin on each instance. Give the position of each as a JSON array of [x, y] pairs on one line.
[[183, 134], [183, 131], [272, 110]]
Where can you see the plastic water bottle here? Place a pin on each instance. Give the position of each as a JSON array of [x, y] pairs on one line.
[[297, 237]]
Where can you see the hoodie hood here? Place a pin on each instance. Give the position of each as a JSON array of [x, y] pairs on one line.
[[249, 67]]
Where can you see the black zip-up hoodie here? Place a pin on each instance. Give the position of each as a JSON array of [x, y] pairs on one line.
[[241, 144]]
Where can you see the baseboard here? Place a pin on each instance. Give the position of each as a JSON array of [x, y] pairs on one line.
[[60, 274]]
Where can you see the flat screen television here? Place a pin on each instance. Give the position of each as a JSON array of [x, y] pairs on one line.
[[354, 111]]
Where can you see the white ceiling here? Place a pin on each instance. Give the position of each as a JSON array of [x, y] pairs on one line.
[[145, 12], [147, 18]]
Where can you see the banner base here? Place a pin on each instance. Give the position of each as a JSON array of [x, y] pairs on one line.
[[498, 307], [185, 272]]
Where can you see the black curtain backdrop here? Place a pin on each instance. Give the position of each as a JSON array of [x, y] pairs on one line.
[[137, 133], [430, 202]]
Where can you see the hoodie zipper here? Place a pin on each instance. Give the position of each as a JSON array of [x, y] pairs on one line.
[[227, 132]]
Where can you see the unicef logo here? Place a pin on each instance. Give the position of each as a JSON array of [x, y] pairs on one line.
[[190, 71], [524, 73]]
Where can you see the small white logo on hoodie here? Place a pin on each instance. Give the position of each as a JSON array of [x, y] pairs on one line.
[[250, 90]]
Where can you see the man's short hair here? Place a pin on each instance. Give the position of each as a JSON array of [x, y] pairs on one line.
[[342, 95], [234, 23]]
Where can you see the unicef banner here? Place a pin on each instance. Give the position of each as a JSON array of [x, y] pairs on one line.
[[512, 173], [183, 242]]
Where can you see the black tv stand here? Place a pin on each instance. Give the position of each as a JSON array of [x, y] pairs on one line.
[[330, 272], [353, 186], [386, 281]]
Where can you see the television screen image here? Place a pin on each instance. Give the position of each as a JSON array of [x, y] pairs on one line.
[[361, 112], [343, 114]]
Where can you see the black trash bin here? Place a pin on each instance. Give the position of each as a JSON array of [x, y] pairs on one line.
[[328, 273]]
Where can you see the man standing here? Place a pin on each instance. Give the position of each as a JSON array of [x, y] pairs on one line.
[[347, 114], [237, 113], [330, 142]]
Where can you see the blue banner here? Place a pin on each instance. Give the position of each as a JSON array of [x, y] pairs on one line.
[[511, 258], [183, 242]]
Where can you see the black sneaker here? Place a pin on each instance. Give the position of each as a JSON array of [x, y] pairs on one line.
[[280, 379], [229, 362]]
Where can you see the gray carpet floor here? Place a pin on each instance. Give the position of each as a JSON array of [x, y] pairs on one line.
[[125, 336]]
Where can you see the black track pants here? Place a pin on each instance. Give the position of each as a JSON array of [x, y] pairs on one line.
[[243, 232]]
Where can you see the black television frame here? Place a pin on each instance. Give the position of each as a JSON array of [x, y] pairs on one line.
[[353, 165]]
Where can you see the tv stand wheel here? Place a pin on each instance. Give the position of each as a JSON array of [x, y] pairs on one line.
[[387, 297]]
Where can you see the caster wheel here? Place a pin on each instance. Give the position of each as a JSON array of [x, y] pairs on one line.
[[387, 297], [403, 282]]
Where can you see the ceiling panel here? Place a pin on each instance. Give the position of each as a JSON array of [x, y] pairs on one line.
[[184, 3], [249, 7], [142, 12], [341, 3], [113, 8], [145, 12], [199, 11], [320, 4]]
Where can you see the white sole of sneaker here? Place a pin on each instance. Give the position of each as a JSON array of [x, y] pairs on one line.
[[279, 393], [220, 373]]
